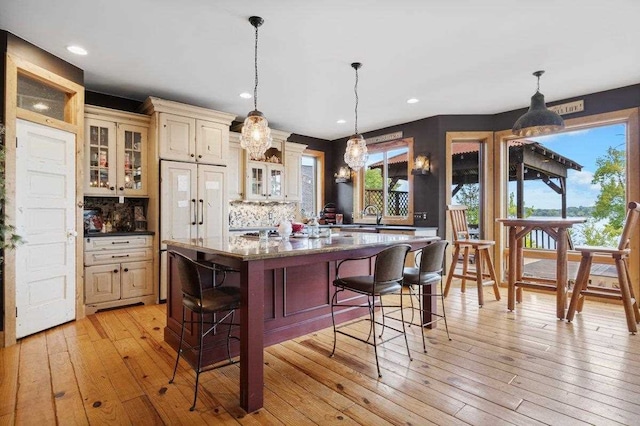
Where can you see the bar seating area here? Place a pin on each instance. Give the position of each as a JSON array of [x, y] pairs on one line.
[[176, 249]]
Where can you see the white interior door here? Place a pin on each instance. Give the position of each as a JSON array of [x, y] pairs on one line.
[[45, 218]]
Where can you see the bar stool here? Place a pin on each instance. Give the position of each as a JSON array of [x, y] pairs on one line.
[[203, 301], [386, 279], [620, 257], [481, 256], [427, 273]]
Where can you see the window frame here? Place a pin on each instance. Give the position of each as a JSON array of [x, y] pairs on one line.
[[320, 166], [359, 190]]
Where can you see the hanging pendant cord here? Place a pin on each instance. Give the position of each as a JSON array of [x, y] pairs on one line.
[[255, 87], [538, 89], [355, 89]]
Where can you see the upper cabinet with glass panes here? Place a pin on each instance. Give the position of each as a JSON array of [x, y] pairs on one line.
[[115, 153]]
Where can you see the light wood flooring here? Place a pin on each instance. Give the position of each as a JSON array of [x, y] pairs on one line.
[[520, 368]]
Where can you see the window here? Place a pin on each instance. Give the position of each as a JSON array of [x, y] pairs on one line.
[[387, 180], [584, 170], [312, 182]]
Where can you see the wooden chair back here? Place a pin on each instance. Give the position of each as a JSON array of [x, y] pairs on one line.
[[630, 224], [459, 226]]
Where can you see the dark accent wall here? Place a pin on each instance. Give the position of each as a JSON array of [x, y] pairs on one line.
[[33, 54], [430, 137], [113, 102]]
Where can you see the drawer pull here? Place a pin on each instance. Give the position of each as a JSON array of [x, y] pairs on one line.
[[115, 256], [126, 269], [115, 271], [120, 242]]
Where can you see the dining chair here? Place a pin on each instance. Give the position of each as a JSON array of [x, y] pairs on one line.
[[481, 258], [427, 273], [386, 280], [620, 256], [219, 302]]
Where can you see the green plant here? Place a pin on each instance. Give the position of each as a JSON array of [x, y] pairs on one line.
[[7, 232]]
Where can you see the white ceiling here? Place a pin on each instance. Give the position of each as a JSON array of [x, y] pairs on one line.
[[456, 56]]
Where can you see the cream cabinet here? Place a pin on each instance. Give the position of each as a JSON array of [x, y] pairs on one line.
[[118, 271], [293, 171], [193, 140], [264, 181], [115, 153], [235, 168]]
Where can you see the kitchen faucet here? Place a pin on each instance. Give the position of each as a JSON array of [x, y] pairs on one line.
[[376, 211]]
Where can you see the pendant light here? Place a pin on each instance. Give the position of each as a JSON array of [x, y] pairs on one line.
[[256, 135], [538, 120], [356, 154]]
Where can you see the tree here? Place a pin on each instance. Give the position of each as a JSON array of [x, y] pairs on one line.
[[611, 202], [469, 195], [512, 209]]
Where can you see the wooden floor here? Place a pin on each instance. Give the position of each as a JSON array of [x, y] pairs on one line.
[[500, 368]]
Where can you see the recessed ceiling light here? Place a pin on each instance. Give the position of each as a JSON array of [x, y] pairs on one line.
[[245, 95], [341, 121], [77, 50], [413, 101], [40, 106]]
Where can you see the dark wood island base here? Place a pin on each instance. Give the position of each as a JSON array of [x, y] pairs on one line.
[[286, 287]]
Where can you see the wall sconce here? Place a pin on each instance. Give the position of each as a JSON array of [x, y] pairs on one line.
[[422, 165], [343, 175]]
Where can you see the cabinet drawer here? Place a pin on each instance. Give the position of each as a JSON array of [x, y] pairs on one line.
[[117, 243], [112, 256]]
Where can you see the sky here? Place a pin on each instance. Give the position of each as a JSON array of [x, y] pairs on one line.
[[583, 147]]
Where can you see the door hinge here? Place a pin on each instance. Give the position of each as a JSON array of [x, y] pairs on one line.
[[16, 141], [16, 312]]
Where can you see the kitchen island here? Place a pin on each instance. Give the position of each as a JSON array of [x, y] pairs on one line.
[[286, 286]]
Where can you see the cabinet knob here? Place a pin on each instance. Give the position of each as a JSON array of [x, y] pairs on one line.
[[115, 271], [112, 188], [193, 155], [126, 269], [121, 188], [200, 156]]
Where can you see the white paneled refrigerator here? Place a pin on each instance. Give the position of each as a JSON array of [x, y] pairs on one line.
[[192, 205]]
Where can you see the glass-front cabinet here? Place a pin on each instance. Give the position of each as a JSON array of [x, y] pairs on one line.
[[115, 153], [265, 181]]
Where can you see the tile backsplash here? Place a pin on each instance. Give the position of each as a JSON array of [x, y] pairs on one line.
[[249, 215]]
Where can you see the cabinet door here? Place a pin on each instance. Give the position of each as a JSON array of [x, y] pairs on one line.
[[132, 161], [136, 279], [276, 182], [100, 157], [293, 176], [212, 142], [177, 137], [101, 283], [235, 172], [213, 216], [256, 181], [178, 202]]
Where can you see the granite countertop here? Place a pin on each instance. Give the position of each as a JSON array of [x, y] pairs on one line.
[[116, 234], [251, 249]]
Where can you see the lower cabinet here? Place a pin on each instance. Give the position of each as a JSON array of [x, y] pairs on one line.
[[118, 271]]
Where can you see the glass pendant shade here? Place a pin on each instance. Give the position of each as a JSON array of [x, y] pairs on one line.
[[256, 135], [356, 154], [538, 120]]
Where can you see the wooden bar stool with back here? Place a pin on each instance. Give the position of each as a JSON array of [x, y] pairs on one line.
[[481, 256], [620, 257]]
